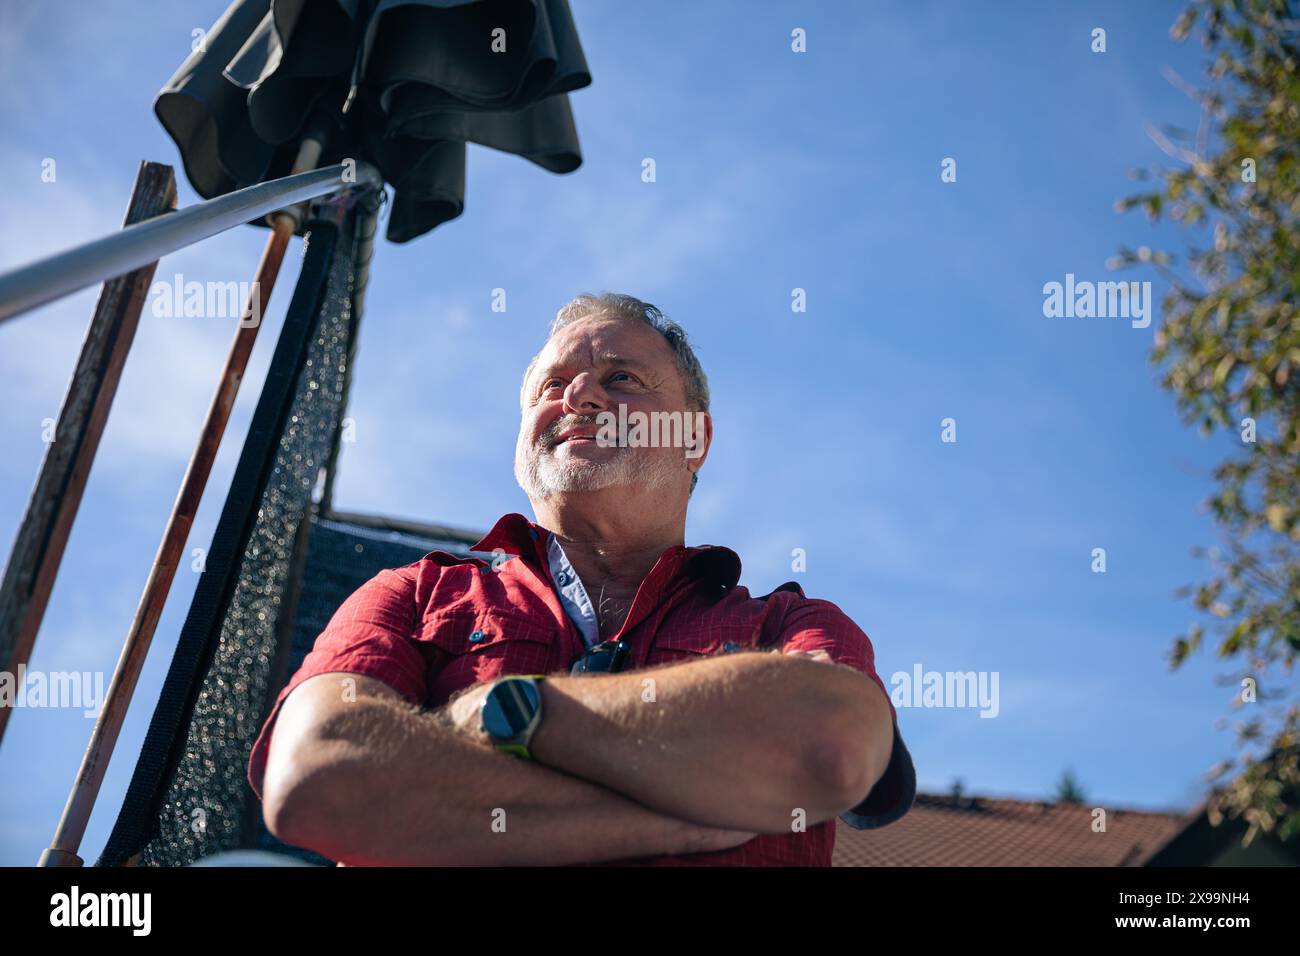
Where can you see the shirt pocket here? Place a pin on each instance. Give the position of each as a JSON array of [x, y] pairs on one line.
[[476, 645], [695, 641]]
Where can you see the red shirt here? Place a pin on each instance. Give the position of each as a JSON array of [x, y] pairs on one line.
[[442, 623]]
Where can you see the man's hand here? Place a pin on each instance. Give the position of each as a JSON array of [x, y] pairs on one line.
[[817, 655], [465, 711]]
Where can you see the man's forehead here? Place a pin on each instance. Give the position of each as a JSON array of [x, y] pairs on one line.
[[608, 342]]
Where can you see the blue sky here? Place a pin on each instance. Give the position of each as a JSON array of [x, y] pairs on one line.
[[775, 171]]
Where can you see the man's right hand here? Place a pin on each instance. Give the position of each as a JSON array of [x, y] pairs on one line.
[[700, 839]]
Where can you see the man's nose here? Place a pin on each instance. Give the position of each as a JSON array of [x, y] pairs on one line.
[[584, 396]]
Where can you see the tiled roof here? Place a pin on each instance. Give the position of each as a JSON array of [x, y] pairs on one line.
[[981, 831]]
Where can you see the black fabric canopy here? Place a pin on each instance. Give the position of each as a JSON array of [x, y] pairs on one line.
[[404, 84]]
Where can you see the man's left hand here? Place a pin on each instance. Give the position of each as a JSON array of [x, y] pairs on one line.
[[466, 712]]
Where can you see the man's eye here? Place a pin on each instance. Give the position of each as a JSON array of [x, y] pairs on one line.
[[615, 376], [552, 383]]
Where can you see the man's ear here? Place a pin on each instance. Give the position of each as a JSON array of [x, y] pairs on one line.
[[699, 439]]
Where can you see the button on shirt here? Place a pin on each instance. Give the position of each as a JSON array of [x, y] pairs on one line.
[[440, 624]]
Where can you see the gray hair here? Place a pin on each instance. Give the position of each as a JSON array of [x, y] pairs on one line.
[[628, 307]]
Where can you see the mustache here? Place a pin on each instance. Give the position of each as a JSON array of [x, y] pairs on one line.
[[551, 437]]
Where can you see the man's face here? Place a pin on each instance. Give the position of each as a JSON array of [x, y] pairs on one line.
[[589, 367]]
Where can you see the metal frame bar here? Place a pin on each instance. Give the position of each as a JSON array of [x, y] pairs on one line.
[[47, 523], [99, 260], [103, 739]]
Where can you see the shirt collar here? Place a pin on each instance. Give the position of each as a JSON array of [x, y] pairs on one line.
[[713, 564], [513, 534]]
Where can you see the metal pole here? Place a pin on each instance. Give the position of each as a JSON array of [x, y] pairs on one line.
[[38, 549], [90, 775], [85, 789], [30, 286]]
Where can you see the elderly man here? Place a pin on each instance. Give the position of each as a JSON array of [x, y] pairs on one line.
[[606, 694]]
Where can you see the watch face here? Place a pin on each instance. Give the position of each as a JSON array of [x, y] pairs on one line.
[[509, 707]]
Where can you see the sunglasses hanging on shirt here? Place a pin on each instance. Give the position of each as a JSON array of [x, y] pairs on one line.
[[607, 657]]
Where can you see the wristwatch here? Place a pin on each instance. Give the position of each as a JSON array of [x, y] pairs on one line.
[[512, 711]]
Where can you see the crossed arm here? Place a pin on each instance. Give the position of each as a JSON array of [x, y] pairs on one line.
[[682, 758]]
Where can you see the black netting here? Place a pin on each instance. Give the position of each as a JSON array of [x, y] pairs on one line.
[[189, 796], [341, 557]]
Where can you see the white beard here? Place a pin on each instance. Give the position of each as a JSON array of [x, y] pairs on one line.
[[544, 472]]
